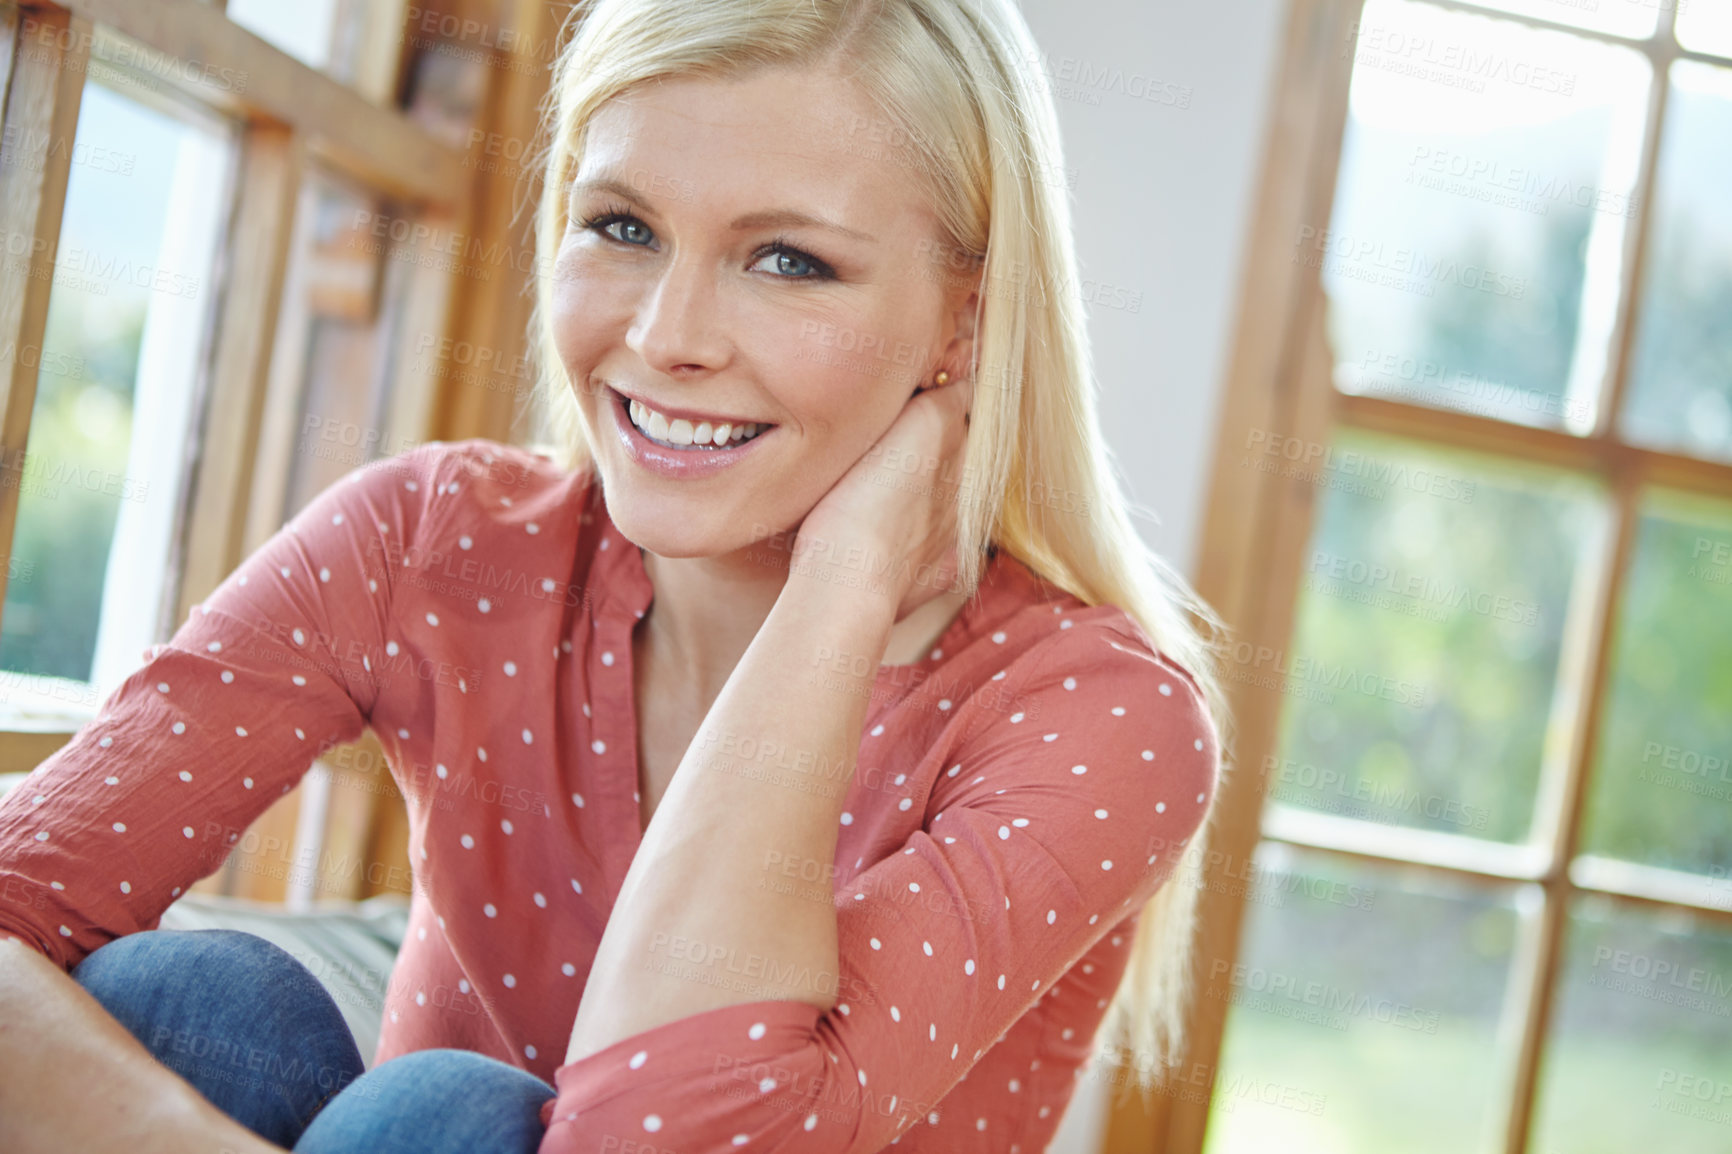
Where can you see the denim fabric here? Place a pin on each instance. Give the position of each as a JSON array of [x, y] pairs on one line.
[[254, 1032]]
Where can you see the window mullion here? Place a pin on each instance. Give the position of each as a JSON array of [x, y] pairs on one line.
[[1615, 383], [1256, 525], [255, 260], [47, 55], [235, 72], [1559, 809]]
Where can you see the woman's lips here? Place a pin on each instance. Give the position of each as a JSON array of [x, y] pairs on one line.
[[679, 462], [674, 413]]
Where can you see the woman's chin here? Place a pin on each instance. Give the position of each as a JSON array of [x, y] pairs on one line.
[[679, 533]]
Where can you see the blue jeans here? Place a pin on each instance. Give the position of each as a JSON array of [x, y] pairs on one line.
[[254, 1032]]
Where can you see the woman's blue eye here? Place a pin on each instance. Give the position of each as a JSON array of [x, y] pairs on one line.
[[805, 267], [608, 222], [795, 256]]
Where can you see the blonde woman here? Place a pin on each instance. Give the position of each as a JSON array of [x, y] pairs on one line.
[[797, 763]]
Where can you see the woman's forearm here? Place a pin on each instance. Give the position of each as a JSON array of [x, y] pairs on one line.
[[73, 1078], [761, 788]]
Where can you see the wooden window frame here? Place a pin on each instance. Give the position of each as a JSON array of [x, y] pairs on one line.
[[291, 119], [1258, 525]]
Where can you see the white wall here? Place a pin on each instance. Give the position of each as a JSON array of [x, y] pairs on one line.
[[1161, 201], [1162, 196]]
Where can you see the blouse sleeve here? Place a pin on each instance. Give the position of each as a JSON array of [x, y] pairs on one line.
[[1049, 828], [217, 724]]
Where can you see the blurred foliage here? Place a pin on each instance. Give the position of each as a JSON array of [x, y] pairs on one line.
[[1661, 791], [1360, 992], [82, 421], [1472, 755], [1525, 342], [1392, 589], [1681, 372], [1638, 1057], [1470, 616]]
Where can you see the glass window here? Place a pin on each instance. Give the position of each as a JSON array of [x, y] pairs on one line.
[[1473, 254], [1365, 1006], [1661, 791], [1705, 26], [303, 29], [1637, 1058], [1619, 17], [452, 57], [1680, 392], [354, 267], [100, 485], [1423, 666], [355, 42]]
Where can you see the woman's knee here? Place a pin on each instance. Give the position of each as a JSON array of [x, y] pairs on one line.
[[137, 966], [233, 1014], [179, 951], [433, 1102]]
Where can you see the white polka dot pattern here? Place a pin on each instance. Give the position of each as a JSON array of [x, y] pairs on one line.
[[1004, 830]]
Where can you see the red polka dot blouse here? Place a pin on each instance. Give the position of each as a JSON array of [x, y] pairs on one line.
[[1020, 793]]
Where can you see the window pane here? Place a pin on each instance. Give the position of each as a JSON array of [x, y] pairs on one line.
[[1680, 392], [354, 275], [303, 29], [452, 57], [1637, 1057], [1662, 785], [1705, 26], [1472, 258], [355, 42], [1619, 17], [1425, 647], [99, 490], [1365, 1009]]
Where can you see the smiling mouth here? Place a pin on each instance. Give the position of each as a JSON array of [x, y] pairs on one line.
[[690, 436]]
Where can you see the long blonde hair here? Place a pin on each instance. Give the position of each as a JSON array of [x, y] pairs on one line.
[[960, 79]]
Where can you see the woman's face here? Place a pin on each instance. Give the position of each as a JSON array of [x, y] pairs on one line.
[[707, 289]]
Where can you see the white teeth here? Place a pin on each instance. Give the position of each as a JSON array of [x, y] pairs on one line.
[[681, 431]]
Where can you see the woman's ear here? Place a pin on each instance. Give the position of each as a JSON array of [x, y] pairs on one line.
[[963, 304]]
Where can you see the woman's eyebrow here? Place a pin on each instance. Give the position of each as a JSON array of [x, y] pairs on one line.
[[766, 218]]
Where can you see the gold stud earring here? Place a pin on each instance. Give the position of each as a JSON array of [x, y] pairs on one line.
[[943, 378]]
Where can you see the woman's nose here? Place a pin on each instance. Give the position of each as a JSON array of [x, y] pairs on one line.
[[678, 320]]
